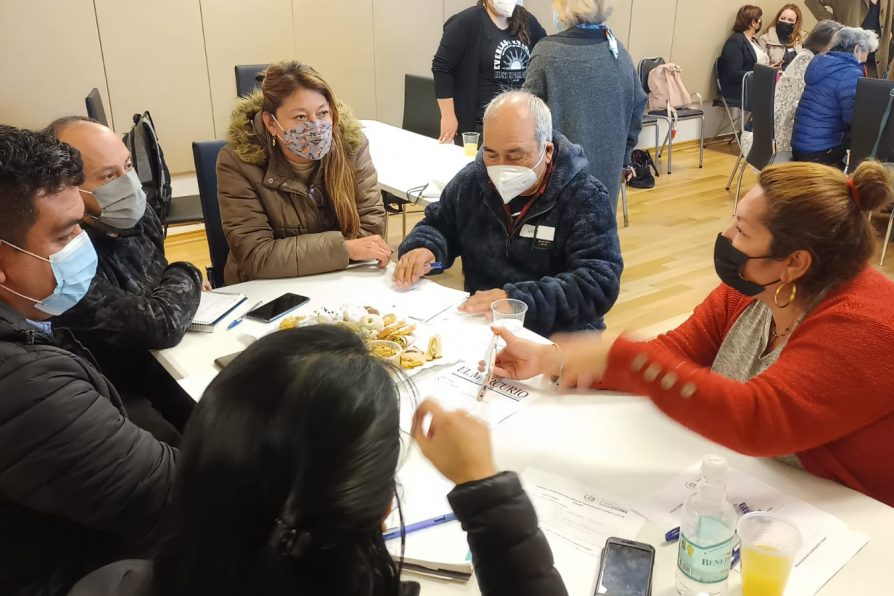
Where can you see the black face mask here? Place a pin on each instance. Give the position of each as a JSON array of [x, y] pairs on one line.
[[784, 31], [728, 262]]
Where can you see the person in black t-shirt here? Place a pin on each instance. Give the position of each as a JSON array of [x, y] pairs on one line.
[[484, 50]]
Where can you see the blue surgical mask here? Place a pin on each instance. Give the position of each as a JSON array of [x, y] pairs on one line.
[[74, 268]]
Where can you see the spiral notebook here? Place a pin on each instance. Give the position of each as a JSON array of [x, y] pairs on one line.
[[213, 306]]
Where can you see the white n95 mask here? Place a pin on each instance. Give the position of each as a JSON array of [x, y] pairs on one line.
[[504, 8], [511, 181]]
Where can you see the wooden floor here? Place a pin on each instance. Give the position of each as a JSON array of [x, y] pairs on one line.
[[668, 248]]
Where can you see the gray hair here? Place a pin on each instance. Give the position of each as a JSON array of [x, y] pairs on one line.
[[851, 38], [574, 12], [538, 109], [822, 36]]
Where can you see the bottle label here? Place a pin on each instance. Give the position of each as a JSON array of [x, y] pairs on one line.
[[706, 564]]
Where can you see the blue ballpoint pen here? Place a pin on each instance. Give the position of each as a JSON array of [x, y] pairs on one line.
[[428, 523], [435, 268], [238, 319]]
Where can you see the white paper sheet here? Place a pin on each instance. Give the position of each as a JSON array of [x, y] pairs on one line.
[[577, 520], [828, 543], [424, 301]]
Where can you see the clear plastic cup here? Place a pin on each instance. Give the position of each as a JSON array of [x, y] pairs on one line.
[[470, 143], [509, 313], [769, 545]]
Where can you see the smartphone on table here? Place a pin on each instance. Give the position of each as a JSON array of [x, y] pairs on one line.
[[267, 313], [625, 568]]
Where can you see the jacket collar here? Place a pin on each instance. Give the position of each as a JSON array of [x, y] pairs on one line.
[[14, 328], [748, 45], [568, 162]]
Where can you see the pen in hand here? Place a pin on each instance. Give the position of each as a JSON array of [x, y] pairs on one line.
[[238, 319]]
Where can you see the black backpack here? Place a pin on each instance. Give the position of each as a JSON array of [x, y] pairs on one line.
[[149, 161], [643, 165]]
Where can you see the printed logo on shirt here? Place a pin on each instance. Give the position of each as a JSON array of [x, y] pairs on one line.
[[511, 62]]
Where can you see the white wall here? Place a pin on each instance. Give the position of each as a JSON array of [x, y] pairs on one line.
[[176, 57]]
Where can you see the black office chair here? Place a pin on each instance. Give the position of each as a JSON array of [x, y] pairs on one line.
[[248, 78], [95, 109], [745, 104], [870, 104], [763, 148], [646, 66], [205, 155], [421, 113], [727, 103]]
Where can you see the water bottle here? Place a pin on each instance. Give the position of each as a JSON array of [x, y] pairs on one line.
[[707, 530]]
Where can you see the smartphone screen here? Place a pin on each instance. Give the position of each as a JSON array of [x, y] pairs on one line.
[[273, 310], [626, 569]]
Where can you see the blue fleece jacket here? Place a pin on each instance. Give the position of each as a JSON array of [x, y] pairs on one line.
[[823, 118], [563, 259]]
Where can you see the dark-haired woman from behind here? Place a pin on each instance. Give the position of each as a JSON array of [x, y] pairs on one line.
[[297, 188], [790, 357], [287, 470], [484, 51]]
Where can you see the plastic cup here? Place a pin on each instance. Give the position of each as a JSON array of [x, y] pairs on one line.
[[470, 143], [510, 314], [769, 545]]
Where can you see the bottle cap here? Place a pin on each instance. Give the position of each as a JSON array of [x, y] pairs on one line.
[[714, 468]]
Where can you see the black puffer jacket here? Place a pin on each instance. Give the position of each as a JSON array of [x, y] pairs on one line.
[[137, 301], [511, 555], [80, 485]]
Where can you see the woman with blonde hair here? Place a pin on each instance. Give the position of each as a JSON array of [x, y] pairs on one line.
[[790, 357], [297, 188], [782, 39], [588, 80]]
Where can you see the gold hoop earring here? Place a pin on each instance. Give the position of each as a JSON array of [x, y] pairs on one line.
[[791, 296], [274, 141]]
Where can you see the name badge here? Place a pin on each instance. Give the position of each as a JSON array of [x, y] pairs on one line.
[[547, 233], [527, 231]]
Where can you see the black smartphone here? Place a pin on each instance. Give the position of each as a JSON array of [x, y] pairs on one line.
[[625, 568], [267, 313]]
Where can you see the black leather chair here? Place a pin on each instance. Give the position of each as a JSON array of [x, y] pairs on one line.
[[421, 113], [870, 104], [205, 155], [745, 104], [646, 66], [763, 95], [247, 78], [95, 109]]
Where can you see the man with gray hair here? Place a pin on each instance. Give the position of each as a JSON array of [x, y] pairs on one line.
[[528, 222], [822, 128]]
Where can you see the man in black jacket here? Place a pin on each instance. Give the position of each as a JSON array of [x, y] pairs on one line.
[[80, 485], [528, 222], [137, 302]]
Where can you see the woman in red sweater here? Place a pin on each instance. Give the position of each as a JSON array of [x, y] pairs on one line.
[[792, 356]]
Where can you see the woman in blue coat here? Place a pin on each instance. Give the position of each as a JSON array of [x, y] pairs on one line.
[[823, 120]]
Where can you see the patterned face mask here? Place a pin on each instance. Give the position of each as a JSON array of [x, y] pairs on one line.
[[310, 140]]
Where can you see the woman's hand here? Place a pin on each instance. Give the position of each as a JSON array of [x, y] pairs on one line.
[[456, 443], [585, 358], [449, 125], [523, 359], [368, 248]]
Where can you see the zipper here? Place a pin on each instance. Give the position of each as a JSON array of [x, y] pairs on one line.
[[30, 335]]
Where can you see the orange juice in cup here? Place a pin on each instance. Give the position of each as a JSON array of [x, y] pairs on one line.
[[470, 143], [769, 545]]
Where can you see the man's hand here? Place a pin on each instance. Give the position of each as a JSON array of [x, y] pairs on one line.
[[480, 302], [412, 266]]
